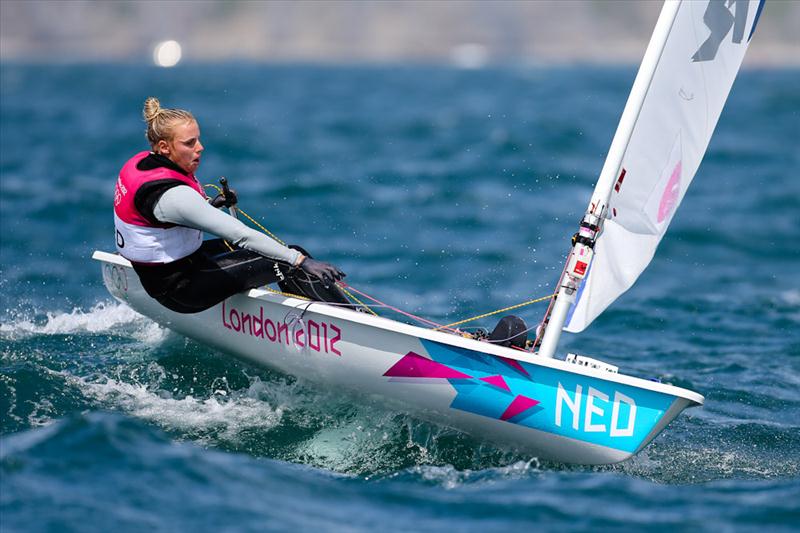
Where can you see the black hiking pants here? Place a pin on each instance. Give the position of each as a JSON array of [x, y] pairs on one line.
[[214, 273]]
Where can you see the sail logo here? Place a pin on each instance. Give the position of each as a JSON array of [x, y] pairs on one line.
[[619, 421], [671, 196], [723, 17]]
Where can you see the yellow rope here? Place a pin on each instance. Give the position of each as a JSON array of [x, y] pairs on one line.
[[262, 228], [251, 219], [268, 232], [230, 248], [287, 294], [359, 302], [350, 295], [543, 298]]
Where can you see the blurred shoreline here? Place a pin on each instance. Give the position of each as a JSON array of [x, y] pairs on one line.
[[468, 34]]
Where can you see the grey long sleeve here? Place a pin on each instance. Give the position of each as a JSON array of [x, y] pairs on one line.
[[183, 206]]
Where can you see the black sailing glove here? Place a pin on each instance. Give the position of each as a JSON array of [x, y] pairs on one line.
[[321, 270], [225, 200]]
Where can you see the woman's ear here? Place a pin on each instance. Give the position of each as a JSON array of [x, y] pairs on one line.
[[162, 147]]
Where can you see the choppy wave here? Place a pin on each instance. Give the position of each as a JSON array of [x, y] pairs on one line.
[[101, 318], [225, 414], [192, 488]]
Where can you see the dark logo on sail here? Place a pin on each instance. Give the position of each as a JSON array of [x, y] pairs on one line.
[[721, 17]]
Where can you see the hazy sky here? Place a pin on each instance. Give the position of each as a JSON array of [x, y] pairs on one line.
[[355, 31]]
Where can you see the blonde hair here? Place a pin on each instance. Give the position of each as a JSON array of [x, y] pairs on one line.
[[161, 119]]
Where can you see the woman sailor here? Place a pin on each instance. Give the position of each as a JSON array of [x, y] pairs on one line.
[[161, 212]]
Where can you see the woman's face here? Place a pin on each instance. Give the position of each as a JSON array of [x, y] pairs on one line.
[[184, 148]]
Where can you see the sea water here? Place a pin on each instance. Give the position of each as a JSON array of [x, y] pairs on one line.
[[444, 192]]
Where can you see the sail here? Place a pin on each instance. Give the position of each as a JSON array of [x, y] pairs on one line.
[[701, 56]]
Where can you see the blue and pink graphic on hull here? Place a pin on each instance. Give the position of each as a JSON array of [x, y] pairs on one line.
[[477, 378]]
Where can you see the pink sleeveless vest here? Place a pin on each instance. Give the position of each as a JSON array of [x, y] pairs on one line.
[[137, 238]]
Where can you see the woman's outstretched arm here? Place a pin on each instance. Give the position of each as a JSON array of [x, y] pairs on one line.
[[183, 206]]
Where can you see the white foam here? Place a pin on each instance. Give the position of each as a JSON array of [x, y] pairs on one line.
[[448, 477], [224, 414], [445, 476], [103, 317], [791, 297], [700, 464], [42, 413]]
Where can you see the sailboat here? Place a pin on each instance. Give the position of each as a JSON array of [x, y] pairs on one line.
[[575, 409]]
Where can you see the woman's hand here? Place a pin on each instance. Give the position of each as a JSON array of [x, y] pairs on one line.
[[225, 200], [326, 272]]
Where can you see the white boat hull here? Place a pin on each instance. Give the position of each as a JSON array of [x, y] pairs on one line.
[[556, 410]]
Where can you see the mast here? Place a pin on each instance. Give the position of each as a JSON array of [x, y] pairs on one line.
[[591, 225]]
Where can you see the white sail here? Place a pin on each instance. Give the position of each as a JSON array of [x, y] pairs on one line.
[[682, 102]]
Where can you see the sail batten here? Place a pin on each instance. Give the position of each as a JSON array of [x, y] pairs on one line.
[[653, 160]]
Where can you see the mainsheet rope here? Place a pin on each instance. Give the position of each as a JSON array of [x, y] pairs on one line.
[[344, 287]]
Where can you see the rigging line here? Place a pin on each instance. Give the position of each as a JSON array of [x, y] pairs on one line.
[[358, 303], [355, 307], [395, 309], [350, 295], [230, 248], [312, 285], [268, 232], [344, 287], [251, 219], [517, 306], [289, 294], [308, 306], [262, 228]]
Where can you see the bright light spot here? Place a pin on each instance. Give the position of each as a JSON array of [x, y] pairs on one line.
[[469, 55], [167, 54]]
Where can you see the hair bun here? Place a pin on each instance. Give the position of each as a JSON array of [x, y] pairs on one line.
[[161, 120], [152, 107]]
